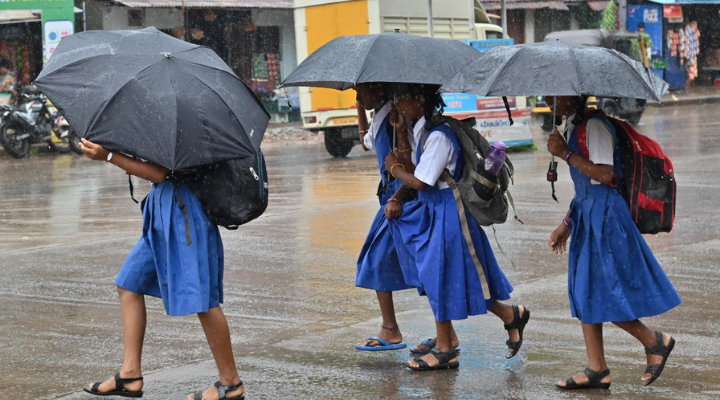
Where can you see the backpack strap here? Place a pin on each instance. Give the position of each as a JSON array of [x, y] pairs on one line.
[[581, 132], [447, 178], [181, 204]]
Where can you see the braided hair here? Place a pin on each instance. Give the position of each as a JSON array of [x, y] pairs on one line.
[[580, 110], [434, 104], [432, 100]]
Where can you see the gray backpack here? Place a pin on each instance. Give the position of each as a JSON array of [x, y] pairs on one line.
[[473, 186]]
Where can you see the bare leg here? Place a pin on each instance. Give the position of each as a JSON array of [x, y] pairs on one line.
[[217, 333], [453, 338], [646, 336], [595, 352], [443, 343], [389, 330], [134, 319], [505, 313]]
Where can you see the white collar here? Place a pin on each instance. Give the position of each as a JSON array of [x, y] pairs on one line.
[[419, 128], [380, 117]]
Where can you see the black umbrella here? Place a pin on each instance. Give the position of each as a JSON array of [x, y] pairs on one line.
[[148, 94], [387, 57], [556, 68]]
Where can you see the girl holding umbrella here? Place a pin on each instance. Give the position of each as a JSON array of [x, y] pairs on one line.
[[428, 232], [612, 274], [184, 268]]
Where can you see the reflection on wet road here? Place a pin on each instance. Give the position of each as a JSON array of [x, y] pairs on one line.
[[68, 222]]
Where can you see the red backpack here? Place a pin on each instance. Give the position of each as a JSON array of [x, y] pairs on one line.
[[645, 178]]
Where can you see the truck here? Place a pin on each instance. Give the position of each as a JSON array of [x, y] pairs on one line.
[[320, 21]]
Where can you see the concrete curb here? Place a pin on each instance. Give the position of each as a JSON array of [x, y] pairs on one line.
[[686, 101]]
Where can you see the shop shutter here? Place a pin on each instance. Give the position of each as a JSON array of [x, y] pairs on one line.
[[443, 28]]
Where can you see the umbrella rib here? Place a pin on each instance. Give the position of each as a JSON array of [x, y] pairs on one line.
[[640, 76], [365, 59], [223, 100], [577, 72], [499, 72]]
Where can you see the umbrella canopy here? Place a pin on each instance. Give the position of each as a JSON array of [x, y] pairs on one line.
[[386, 57], [147, 94], [556, 69]]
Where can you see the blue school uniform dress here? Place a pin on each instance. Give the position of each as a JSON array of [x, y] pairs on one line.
[[183, 267], [378, 267], [429, 233], [613, 275]]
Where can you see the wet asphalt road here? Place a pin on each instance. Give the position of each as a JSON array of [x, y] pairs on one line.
[[66, 224]]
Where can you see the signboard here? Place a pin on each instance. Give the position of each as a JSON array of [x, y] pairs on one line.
[[484, 45], [58, 18], [494, 125], [672, 11], [53, 31]]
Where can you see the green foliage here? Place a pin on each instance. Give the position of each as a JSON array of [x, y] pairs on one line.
[[609, 17]]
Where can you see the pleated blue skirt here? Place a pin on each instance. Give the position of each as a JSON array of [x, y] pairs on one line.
[[378, 266], [183, 267], [613, 275], [429, 235]]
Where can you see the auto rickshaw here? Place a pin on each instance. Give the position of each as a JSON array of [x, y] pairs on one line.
[[628, 43]]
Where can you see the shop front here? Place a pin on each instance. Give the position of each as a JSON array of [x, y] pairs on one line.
[[30, 30], [685, 39], [255, 38]]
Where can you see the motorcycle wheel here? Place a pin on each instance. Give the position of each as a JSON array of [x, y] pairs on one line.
[[62, 145], [15, 148], [74, 141]]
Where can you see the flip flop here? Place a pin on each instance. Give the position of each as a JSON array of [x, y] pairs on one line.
[[383, 346], [429, 343], [659, 349]]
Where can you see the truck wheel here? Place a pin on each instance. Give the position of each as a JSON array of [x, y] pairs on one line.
[[547, 123], [336, 145]]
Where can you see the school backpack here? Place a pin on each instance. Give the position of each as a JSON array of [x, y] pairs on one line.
[[645, 179], [474, 187], [232, 192]]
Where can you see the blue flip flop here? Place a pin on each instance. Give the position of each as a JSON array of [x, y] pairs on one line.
[[429, 343], [384, 345]]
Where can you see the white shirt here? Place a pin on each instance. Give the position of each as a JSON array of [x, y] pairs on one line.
[[375, 124], [599, 140], [437, 155]]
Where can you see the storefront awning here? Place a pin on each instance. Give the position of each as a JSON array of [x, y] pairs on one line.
[[686, 1], [17, 16], [528, 5], [597, 5], [207, 3]]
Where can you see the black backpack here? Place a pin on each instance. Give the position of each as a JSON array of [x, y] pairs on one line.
[[233, 192], [486, 197]]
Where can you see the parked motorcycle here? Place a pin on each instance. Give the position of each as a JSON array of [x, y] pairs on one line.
[[31, 121], [66, 131]]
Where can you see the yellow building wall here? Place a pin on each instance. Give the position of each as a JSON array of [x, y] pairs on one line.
[[325, 23]]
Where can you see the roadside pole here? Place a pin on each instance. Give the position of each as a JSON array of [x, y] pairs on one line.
[[503, 16], [430, 19]]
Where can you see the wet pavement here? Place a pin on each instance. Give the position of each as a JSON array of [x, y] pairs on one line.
[[66, 224]]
